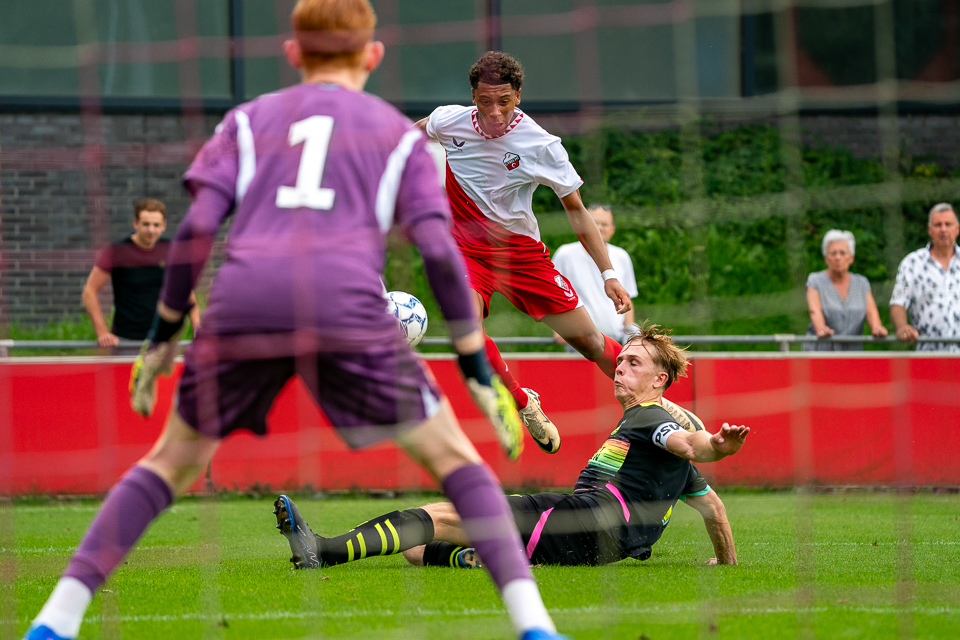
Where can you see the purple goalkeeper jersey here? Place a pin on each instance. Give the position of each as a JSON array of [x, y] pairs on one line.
[[318, 174]]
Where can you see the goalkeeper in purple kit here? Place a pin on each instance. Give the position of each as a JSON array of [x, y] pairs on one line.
[[315, 176]]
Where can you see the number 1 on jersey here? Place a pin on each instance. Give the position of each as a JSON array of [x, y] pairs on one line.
[[314, 132]]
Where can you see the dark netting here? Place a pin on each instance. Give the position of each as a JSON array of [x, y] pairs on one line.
[[727, 137]]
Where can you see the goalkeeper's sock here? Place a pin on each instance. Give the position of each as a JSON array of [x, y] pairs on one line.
[[65, 607], [384, 536], [130, 507], [607, 361], [501, 369], [488, 523], [442, 554]]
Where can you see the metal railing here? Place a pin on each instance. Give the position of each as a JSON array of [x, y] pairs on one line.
[[782, 340]]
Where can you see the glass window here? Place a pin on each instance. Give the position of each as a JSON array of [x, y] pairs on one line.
[[837, 46], [137, 52], [37, 61]]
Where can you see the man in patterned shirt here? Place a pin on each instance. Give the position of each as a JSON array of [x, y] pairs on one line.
[[928, 284]]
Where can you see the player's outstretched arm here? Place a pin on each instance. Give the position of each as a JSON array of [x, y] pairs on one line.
[[702, 446], [589, 236], [715, 520]]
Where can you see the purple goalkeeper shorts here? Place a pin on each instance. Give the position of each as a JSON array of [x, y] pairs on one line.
[[368, 396]]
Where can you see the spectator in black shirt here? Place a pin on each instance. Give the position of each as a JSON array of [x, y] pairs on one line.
[[134, 267]]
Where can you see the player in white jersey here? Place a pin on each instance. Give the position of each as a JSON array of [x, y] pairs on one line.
[[496, 157]]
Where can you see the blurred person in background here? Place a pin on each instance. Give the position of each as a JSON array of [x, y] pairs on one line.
[[840, 301], [928, 284], [573, 261], [134, 266]]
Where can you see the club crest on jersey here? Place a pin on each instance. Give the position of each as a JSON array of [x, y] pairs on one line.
[[511, 161], [566, 288]]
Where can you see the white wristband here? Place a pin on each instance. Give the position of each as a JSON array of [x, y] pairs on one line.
[[609, 274]]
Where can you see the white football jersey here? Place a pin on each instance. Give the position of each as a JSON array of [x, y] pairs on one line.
[[499, 174]]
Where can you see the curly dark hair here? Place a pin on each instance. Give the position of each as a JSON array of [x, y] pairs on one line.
[[496, 67]]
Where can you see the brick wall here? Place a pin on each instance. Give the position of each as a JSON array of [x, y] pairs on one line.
[[60, 206], [63, 200]]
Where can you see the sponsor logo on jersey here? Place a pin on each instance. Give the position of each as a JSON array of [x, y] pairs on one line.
[[457, 145], [562, 283], [511, 161]]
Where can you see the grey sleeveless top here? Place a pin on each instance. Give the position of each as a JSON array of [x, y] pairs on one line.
[[845, 317]]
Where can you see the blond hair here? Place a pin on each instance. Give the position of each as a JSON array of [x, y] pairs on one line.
[[332, 33], [666, 355]]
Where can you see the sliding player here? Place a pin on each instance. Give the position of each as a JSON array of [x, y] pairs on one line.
[[496, 157], [621, 503], [318, 173]]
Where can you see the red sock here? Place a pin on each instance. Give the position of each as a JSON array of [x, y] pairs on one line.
[[500, 368], [608, 359]]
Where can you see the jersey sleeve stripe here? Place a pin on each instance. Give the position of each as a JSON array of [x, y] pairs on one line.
[[248, 154], [390, 180]]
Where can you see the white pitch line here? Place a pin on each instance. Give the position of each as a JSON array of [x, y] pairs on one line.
[[678, 543], [39, 550], [669, 609]]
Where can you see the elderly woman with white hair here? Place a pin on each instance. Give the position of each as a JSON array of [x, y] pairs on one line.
[[840, 301]]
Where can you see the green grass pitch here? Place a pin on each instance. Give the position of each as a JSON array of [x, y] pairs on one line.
[[849, 565]]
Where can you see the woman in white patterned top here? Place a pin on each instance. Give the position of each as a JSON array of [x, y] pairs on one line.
[[840, 301]]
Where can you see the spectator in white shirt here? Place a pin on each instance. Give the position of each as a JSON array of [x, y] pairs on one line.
[[928, 285], [573, 262]]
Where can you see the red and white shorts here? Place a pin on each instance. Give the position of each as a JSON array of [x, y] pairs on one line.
[[527, 278]]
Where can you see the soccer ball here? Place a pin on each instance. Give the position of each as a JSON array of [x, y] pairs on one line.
[[411, 314]]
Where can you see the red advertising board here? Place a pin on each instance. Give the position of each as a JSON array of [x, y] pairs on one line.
[[66, 427]]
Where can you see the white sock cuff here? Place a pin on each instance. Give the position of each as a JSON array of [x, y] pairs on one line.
[[64, 609], [525, 605]]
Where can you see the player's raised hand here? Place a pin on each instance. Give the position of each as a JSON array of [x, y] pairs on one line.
[[729, 439], [494, 399], [155, 359], [619, 295]]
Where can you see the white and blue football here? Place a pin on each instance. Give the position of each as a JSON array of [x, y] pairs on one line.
[[410, 312]]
